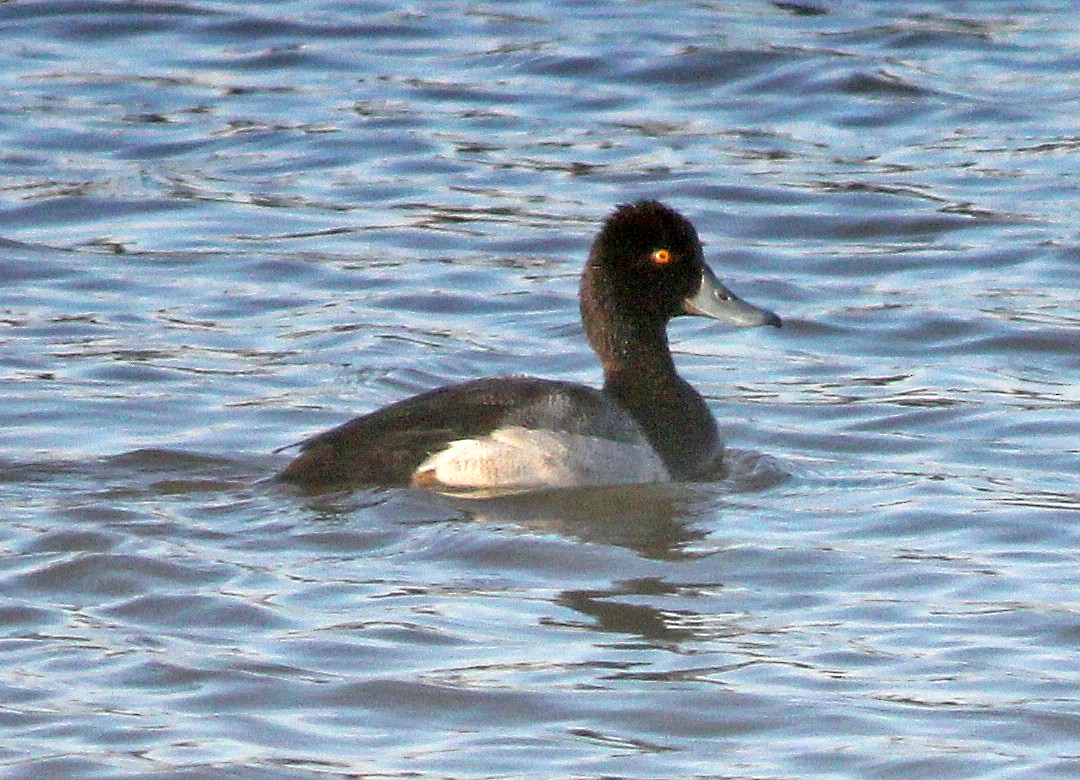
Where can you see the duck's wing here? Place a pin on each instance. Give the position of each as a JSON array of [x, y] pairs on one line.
[[386, 446]]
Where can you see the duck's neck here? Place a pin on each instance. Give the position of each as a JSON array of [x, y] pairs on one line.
[[627, 345], [640, 375], [633, 351], [638, 368]]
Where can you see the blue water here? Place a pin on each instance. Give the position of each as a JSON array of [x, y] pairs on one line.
[[226, 225]]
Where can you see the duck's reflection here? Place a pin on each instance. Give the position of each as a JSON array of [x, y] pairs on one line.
[[650, 519], [611, 615]]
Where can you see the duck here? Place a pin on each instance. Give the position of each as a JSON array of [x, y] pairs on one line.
[[510, 435]]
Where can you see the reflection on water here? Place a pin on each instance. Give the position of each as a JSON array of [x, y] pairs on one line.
[[225, 227], [647, 518]]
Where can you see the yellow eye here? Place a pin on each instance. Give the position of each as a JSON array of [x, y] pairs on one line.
[[661, 256]]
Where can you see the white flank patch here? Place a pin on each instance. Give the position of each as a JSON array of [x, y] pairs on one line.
[[515, 459]]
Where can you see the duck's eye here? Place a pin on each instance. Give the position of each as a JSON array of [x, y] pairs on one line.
[[661, 256]]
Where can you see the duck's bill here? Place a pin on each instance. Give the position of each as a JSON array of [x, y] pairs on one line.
[[715, 300]]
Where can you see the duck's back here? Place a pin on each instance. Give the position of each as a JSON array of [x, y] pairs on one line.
[[501, 434]]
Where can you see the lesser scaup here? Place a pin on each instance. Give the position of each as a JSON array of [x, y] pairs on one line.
[[519, 434]]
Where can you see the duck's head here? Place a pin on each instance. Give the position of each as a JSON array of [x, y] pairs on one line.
[[647, 266]]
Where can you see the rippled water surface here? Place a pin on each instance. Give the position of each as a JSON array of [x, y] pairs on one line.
[[226, 225]]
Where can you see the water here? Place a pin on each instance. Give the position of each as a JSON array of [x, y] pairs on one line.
[[227, 225]]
